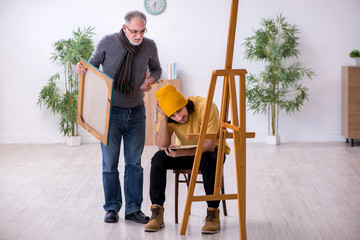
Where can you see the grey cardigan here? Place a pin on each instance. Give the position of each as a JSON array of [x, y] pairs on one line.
[[109, 52]]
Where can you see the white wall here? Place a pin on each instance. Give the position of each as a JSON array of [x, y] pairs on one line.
[[192, 33]]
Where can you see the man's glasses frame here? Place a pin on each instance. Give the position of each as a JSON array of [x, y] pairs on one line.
[[136, 31]]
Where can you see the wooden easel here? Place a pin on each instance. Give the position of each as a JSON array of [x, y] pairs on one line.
[[239, 135]]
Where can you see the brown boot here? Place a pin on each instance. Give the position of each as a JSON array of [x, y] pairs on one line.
[[157, 219], [212, 221]]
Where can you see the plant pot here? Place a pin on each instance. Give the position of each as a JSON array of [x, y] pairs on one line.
[[356, 61], [73, 141], [273, 140]]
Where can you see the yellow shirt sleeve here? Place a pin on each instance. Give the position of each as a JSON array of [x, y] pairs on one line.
[[158, 125]]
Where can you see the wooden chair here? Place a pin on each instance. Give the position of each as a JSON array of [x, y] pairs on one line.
[[187, 174]]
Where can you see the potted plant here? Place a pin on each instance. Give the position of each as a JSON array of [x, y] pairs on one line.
[[355, 55], [60, 94], [279, 86]]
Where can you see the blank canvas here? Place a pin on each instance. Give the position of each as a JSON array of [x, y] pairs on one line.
[[94, 104]]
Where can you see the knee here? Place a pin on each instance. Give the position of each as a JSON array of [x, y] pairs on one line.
[[109, 166], [208, 161], [158, 160]]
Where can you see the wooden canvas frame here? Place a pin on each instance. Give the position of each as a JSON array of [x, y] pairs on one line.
[[94, 102]]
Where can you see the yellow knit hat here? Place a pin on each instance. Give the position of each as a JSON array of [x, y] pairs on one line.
[[170, 100]]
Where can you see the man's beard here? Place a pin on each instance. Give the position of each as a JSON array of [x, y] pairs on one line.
[[136, 43]]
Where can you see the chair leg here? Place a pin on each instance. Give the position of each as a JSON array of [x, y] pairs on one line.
[[188, 183], [223, 192], [176, 196], [187, 179]]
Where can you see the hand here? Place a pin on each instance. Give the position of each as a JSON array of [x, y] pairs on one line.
[[79, 69], [145, 87], [172, 151], [163, 115]]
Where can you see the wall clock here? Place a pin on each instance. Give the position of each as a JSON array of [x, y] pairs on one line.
[[155, 7]]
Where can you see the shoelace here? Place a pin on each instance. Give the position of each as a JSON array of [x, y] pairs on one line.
[[155, 213], [210, 216]]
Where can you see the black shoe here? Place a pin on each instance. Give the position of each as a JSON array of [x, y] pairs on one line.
[[138, 217], [111, 216]]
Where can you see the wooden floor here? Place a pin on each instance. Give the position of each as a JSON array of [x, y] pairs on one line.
[[294, 191]]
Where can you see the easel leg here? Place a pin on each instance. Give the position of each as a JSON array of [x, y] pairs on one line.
[[239, 149], [198, 154]]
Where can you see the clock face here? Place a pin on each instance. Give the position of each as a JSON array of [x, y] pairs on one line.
[[155, 6]]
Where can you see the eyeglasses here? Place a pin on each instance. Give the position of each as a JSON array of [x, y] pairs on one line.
[[136, 31]]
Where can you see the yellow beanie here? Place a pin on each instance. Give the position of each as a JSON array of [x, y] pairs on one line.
[[170, 100]]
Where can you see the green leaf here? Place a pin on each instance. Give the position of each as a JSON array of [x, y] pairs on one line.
[[278, 85], [60, 94]]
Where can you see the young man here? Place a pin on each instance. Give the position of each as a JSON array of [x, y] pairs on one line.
[[125, 56], [182, 116]]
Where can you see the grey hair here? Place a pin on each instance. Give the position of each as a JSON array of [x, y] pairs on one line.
[[134, 14]]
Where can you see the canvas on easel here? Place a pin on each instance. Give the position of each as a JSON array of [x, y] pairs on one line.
[[94, 102]]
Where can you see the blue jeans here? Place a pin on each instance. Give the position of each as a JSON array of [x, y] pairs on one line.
[[127, 124]]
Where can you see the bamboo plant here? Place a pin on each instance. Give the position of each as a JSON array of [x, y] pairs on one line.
[[279, 86], [60, 94]]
